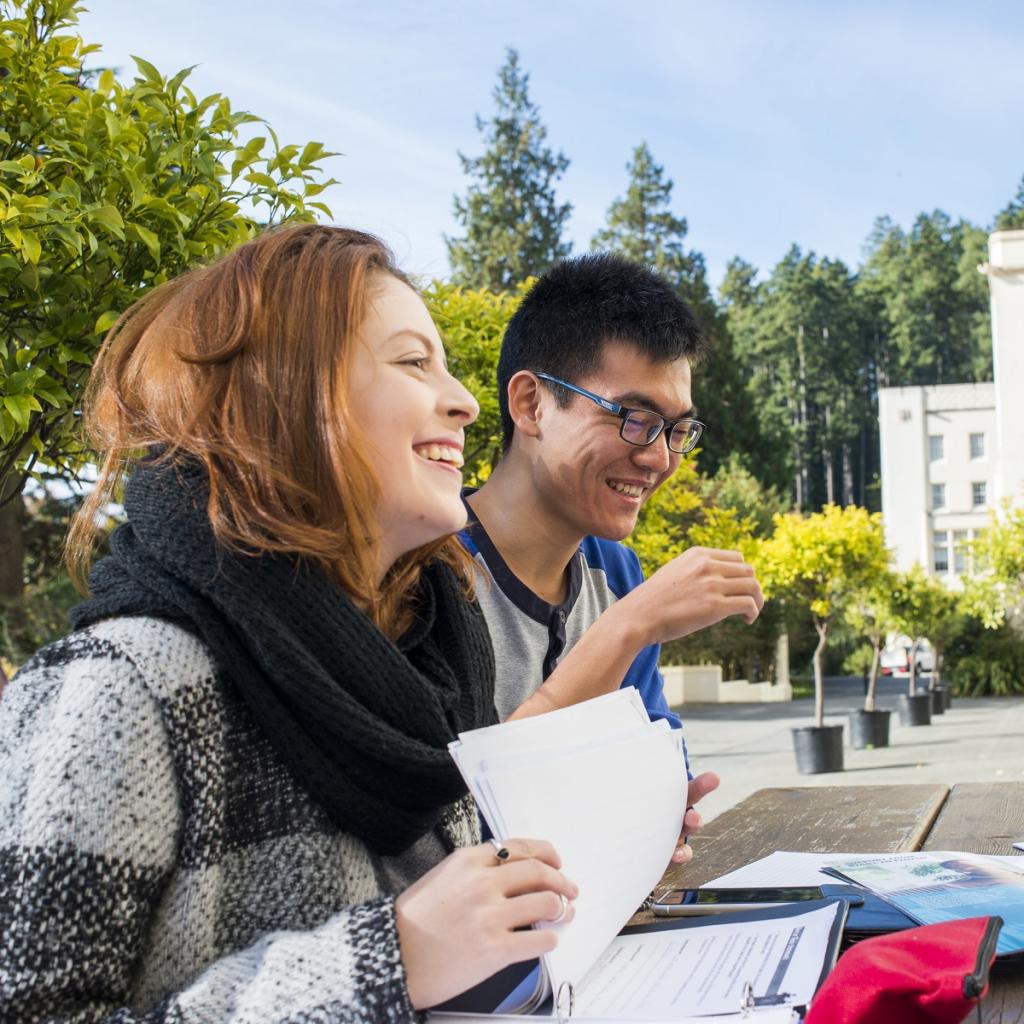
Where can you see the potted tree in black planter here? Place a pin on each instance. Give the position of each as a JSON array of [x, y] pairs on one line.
[[945, 620], [870, 614], [817, 563], [924, 608]]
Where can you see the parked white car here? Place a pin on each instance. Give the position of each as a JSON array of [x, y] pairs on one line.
[[895, 660]]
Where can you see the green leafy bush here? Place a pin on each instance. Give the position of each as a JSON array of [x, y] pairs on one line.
[[986, 662]]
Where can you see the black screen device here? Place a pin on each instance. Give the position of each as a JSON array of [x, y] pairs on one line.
[[686, 902]]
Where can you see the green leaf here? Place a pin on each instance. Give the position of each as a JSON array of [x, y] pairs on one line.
[[30, 247], [148, 238], [259, 178], [139, 193], [71, 240], [312, 152], [149, 72], [19, 408], [110, 218], [106, 321], [7, 426], [113, 125]]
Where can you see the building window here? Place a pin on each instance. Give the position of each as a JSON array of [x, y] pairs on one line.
[[940, 546], [959, 552], [935, 452], [977, 446], [979, 495], [938, 495]]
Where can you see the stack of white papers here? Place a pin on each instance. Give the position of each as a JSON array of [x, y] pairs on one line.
[[604, 785]]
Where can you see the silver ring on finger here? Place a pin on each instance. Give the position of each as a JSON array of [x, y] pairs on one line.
[[501, 853], [562, 912]]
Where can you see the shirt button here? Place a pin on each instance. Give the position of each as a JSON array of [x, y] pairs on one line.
[[561, 617]]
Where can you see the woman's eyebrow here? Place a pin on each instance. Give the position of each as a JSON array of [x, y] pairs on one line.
[[429, 342]]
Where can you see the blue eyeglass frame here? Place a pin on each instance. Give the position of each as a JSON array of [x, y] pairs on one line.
[[667, 426]]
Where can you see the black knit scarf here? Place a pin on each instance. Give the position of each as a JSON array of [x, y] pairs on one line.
[[363, 723]]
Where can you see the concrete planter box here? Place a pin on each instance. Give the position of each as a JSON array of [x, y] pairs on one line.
[[691, 684], [702, 684], [740, 691]]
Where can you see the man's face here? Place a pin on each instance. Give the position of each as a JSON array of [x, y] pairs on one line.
[[587, 474]]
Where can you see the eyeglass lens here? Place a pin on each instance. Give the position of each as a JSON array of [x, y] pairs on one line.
[[684, 437], [642, 428]]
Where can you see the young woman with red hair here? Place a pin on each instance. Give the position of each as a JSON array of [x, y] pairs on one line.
[[227, 794]]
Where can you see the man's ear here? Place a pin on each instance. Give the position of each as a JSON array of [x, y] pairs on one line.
[[524, 399]]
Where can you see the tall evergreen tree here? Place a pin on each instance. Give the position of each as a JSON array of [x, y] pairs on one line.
[[512, 219], [1012, 215], [932, 316], [799, 338], [642, 227]]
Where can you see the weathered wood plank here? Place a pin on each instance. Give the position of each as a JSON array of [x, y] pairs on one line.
[[824, 819], [1004, 1003], [986, 817], [980, 817]]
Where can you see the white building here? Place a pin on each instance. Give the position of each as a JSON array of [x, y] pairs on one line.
[[951, 452]]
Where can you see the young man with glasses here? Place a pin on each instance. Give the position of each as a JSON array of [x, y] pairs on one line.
[[594, 391]]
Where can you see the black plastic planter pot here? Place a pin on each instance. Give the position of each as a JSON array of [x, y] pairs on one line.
[[915, 709], [818, 749], [938, 694], [869, 729]]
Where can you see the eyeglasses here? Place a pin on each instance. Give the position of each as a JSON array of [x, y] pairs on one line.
[[640, 426]]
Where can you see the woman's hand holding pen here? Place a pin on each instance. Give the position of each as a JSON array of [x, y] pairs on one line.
[[469, 917]]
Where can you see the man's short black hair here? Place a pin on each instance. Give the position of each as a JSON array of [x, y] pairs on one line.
[[579, 304]]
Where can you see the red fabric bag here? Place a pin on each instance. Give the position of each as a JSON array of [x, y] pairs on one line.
[[934, 974]]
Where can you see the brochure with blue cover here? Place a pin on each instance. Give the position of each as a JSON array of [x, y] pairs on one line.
[[943, 886]]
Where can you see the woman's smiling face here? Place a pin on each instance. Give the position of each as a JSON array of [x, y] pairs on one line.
[[412, 412]]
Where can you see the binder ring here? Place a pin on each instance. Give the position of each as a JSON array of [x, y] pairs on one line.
[[747, 1000], [565, 1001]]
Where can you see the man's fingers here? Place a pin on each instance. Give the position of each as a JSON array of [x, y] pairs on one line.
[[721, 554], [735, 567], [739, 604], [742, 586], [701, 785], [682, 854]]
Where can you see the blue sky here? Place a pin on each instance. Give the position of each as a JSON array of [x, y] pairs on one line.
[[779, 122]]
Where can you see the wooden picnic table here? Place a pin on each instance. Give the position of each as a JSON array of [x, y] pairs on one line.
[[970, 817]]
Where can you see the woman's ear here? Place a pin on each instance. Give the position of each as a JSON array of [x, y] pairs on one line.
[[524, 400]]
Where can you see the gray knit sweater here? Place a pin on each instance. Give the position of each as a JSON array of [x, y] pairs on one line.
[[159, 863]]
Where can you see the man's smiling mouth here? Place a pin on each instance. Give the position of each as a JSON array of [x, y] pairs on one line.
[[629, 490]]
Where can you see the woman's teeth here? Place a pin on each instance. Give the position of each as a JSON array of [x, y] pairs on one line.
[[630, 490], [440, 453]]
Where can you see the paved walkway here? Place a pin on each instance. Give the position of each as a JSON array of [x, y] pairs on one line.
[[750, 745]]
